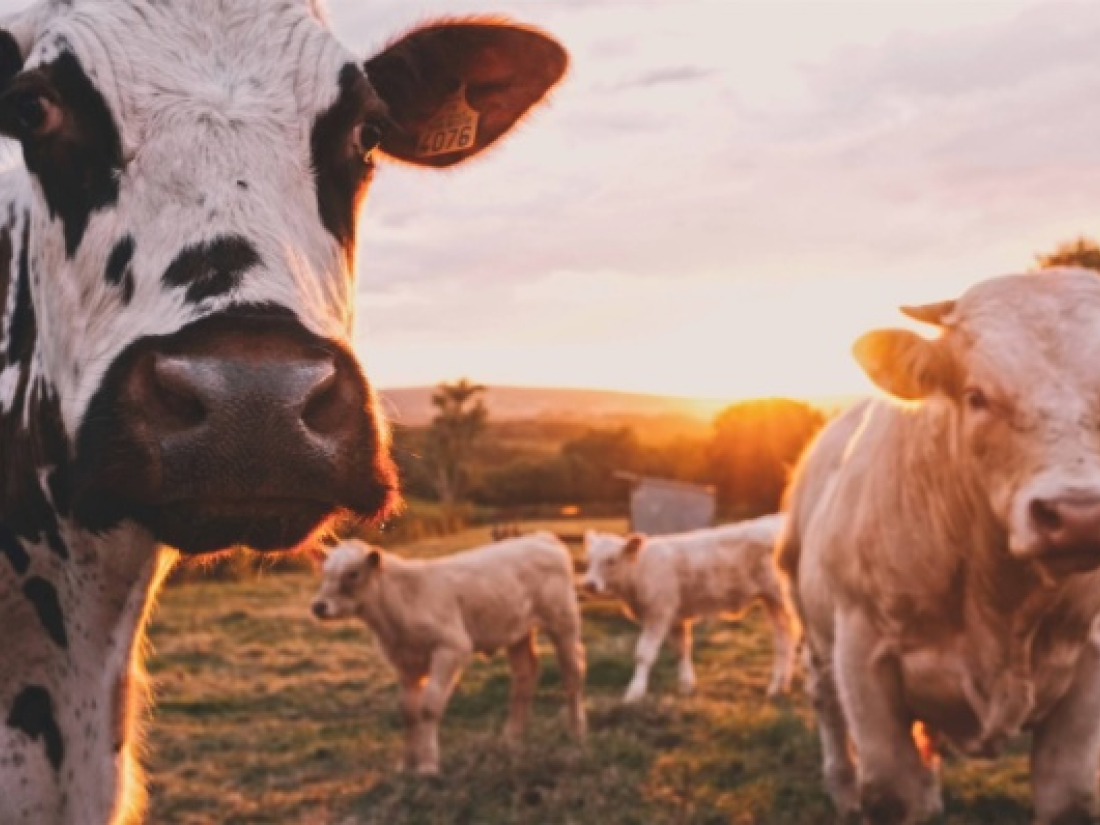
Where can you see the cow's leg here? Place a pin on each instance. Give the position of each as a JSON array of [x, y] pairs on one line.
[[681, 639], [896, 787], [838, 766], [446, 666], [524, 659], [570, 653], [1065, 751], [412, 689], [654, 630], [784, 642]]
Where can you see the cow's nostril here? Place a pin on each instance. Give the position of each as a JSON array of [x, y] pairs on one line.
[[329, 404], [175, 392], [1045, 515]]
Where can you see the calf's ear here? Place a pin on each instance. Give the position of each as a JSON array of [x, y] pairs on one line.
[[904, 364], [453, 87], [634, 544]]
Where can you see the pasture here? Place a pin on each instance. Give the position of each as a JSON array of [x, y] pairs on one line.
[[264, 716]]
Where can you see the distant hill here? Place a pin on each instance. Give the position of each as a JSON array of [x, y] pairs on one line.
[[412, 406]]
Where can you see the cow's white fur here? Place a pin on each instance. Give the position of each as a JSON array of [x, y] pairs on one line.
[[190, 130]]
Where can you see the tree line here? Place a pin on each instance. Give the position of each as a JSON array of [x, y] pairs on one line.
[[465, 457]]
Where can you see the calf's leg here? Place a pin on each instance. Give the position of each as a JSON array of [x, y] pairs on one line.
[[524, 660], [412, 688], [784, 641], [654, 630], [681, 638], [1065, 751], [446, 666], [570, 653]]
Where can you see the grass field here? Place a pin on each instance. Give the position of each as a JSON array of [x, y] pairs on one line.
[[264, 716]]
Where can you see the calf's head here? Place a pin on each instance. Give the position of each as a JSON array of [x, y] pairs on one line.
[[195, 174], [345, 576], [610, 561], [1016, 369]]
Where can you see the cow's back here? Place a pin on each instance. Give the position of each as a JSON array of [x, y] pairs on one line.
[[710, 571], [503, 588]]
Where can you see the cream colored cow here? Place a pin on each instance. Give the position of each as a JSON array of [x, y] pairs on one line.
[[943, 552], [666, 582], [431, 617]]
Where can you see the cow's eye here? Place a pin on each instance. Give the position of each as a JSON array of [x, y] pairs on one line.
[[28, 113], [369, 136], [975, 399]]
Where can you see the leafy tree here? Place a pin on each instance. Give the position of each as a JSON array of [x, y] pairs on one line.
[[451, 438], [593, 459], [1083, 252], [754, 446]]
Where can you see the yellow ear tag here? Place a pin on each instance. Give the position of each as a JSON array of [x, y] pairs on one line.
[[453, 129]]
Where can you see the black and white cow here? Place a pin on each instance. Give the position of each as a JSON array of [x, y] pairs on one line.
[[175, 305]]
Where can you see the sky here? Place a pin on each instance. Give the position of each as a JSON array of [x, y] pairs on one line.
[[723, 195]]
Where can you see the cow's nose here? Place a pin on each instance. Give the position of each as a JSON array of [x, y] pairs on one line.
[[239, 413], [185, 393], [243, 428], [1067, 525], [320, 610]]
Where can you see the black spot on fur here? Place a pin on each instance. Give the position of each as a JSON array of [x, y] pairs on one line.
[[118, 272], [21, 330], [212, 268], [23, 501], [32, 713], [341, 172], [10, 546], [24, 451], [43, 596], [11, 59], [5, 281], [79, 166]]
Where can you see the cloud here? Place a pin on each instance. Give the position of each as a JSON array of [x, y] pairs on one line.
[[670, 74]]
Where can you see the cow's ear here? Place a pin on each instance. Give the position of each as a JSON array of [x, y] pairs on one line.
[[374, 560], [904, 364], [634, 544], [454, 87]]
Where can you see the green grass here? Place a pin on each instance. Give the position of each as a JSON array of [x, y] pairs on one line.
[[264, 716]]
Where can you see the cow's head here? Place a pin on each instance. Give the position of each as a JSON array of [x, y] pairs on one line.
[[195, 173], [1017, 371], [345, 578], [610, 561]]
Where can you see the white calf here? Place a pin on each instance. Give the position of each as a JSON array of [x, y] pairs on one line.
[[431, 616], [667, 582]]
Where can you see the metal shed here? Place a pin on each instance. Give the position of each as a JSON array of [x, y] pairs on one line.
[[659, 506]]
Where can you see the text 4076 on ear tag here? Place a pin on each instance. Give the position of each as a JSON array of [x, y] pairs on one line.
[[453, 129]]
